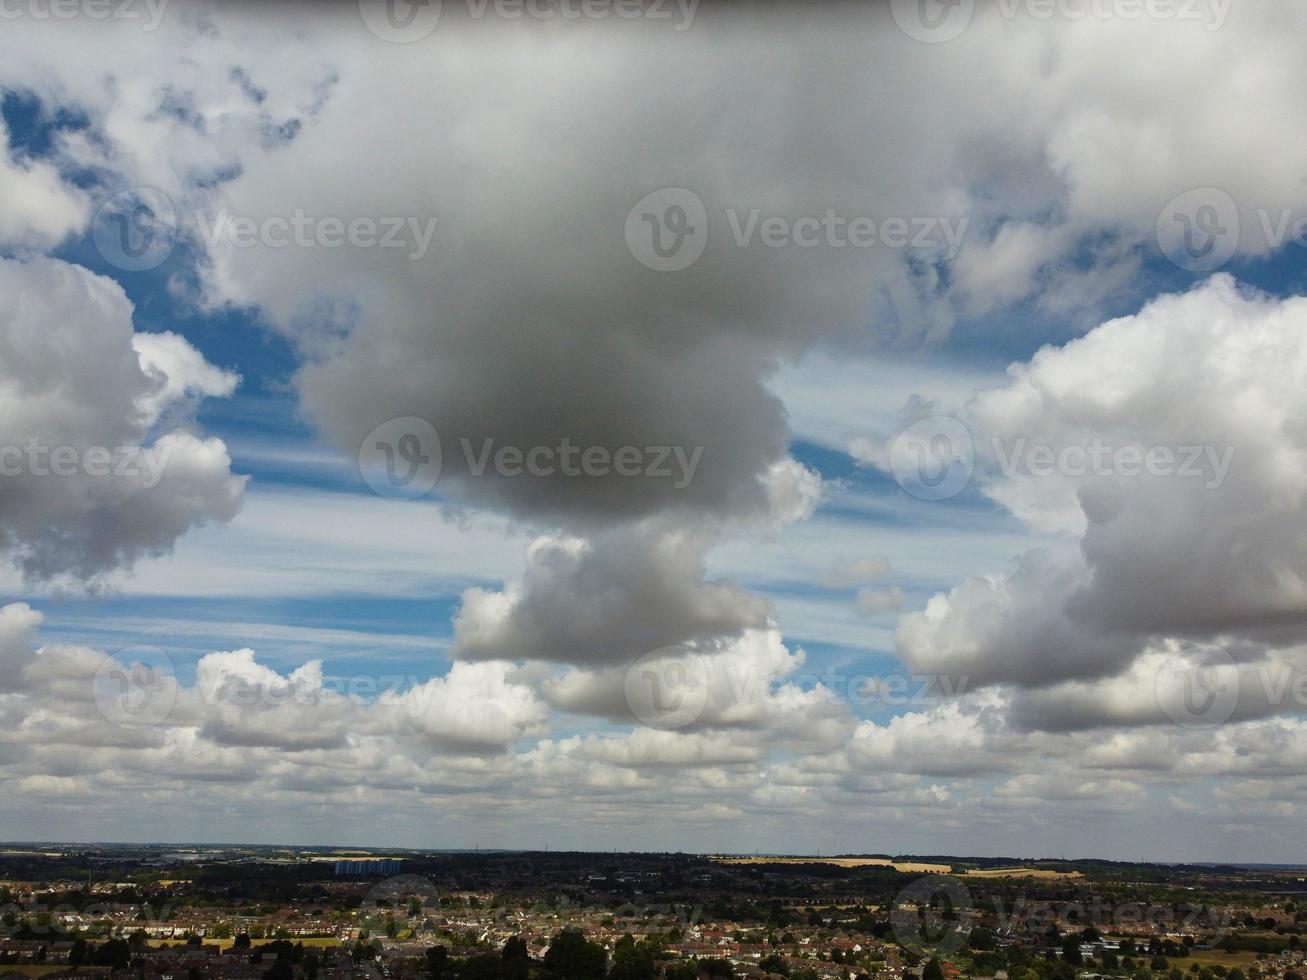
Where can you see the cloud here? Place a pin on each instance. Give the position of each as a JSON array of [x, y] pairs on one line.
[[474, 708], [1188, 516], [606, 600], [86, 490], [38, 208], [18, 623], [179, 371], [529, 321], [873, 601], [846, 574]]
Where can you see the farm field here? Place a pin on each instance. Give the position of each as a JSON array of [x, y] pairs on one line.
[[1021, 873], [907, 867]]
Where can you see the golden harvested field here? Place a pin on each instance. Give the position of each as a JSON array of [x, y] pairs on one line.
[[1022, 873], [907, 867]]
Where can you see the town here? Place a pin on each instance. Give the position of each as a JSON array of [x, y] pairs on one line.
[[243, 913]]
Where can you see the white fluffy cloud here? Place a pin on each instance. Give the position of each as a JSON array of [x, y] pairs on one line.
[[610, 599], [1190, 520], [38, 209], [88, 487]]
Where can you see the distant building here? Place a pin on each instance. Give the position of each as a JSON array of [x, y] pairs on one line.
[[386, 867]]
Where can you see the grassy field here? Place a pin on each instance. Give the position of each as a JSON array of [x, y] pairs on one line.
[[1214, 957], [907, 867], [1021, 873]]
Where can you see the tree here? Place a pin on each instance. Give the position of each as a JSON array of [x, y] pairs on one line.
[[632, 960], [437, 957], [515, 949], [1071, 951], [933, 970], [115, 954], [981, 938], [572, 957]]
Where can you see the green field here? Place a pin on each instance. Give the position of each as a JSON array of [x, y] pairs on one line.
[[1217, 957]]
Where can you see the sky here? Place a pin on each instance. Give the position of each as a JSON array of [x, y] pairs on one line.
[[655, 426]]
